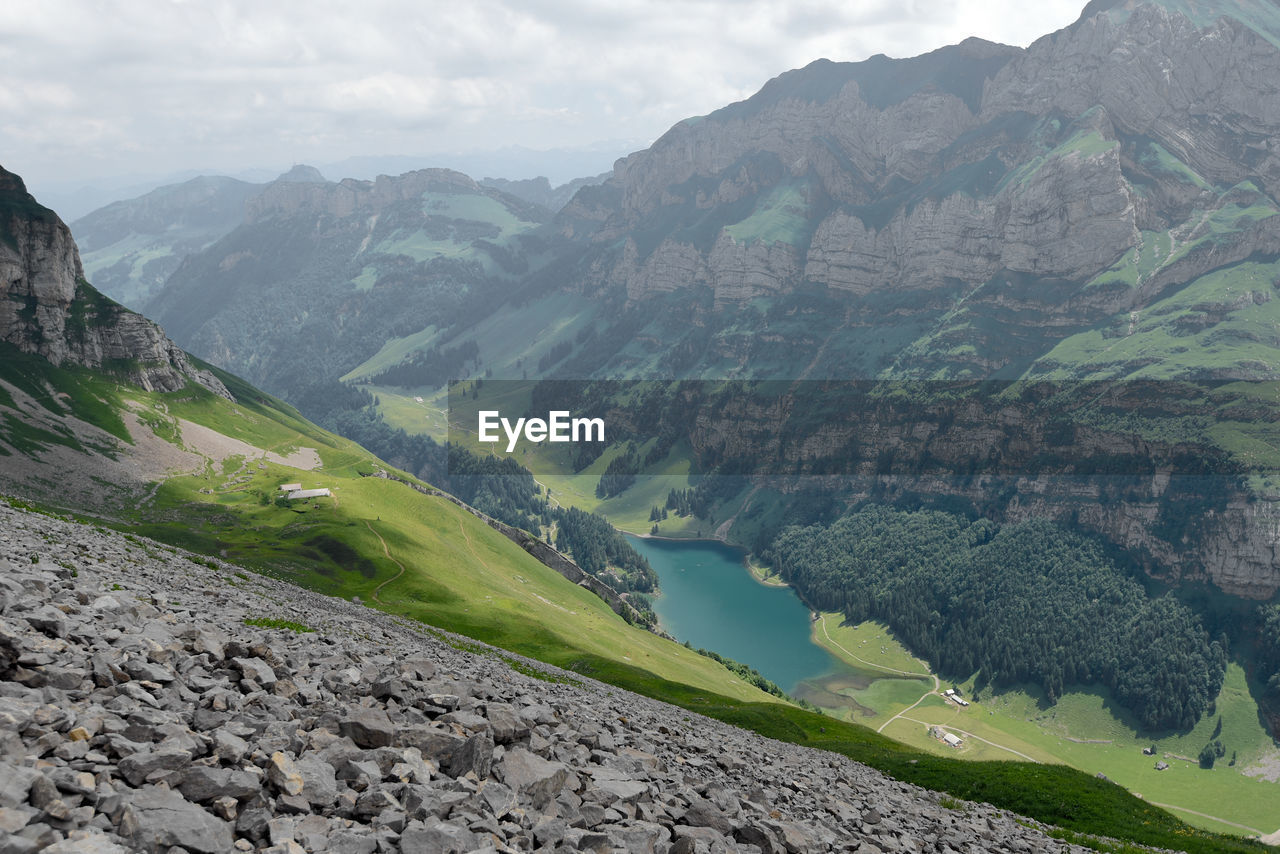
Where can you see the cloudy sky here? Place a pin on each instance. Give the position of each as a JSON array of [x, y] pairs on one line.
[[101, 91]]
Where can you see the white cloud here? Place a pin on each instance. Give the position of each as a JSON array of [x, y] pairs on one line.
[[89, 87]]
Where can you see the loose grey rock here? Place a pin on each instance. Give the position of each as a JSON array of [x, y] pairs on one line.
[[532, 775], [319, 782], [437, 839], [15, 784], [49, 620], [475, 756], [257, 670], [161, 819], [138, 766], [368, 728], [284, 774], [203, 784], [81, 842]]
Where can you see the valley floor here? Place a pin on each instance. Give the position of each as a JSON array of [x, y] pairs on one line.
[[1084, 729]]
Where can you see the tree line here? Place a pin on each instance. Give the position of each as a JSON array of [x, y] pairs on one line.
[[1025, 602]]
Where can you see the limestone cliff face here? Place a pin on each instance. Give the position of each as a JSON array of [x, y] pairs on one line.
[[1183, 527], [835, 117], [47, 307], [957, 165], [1074, 213], [1204, 87]]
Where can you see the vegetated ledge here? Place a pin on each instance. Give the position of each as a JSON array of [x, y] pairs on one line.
[[541, 551]]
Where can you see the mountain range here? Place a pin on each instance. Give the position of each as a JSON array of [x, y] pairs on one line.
[[1097, 207], [1007, 314], [104, 416]]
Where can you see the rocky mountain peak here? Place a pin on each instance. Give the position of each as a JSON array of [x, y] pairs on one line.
[[864, 176], [47, 307], [303, 174], [882, 81], [1261, 16]]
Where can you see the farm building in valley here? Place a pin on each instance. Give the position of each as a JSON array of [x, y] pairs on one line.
[[948, 738], [294, 491], [309, 493]]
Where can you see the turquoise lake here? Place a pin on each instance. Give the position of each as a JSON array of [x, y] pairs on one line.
[[711, 600]]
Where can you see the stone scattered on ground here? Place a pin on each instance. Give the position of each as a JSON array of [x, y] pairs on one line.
[[139, 712]]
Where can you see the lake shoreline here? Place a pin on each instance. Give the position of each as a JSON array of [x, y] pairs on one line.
[[758, 572], [702, 599]]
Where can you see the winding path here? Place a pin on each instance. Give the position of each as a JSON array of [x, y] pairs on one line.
[[822, 620], [971, 735], [386, 552], [1210, 817], [551, 500], [902, 713]]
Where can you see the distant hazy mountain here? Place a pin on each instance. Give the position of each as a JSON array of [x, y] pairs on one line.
[[558, 165], [540, 192], [319, 276], [131, 247]]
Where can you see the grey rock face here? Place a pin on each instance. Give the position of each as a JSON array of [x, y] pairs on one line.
[[910, 206], [137, 767], [203, 784], [47, 308], [208, 759]]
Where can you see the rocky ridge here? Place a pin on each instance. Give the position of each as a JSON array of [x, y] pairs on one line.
[[49, 309], [142, 711], [350, 196], [974, 160]]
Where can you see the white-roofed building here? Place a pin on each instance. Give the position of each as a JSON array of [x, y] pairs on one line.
[[309, 493]]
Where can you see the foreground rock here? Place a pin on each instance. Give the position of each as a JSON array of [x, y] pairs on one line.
[[139, 712]]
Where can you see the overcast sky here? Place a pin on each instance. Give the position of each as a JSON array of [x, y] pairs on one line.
[[99, 91]]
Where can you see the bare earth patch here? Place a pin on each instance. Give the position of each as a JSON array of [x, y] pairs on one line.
[[67, 476], [1267, 767], [307, 459], [218, 447]]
